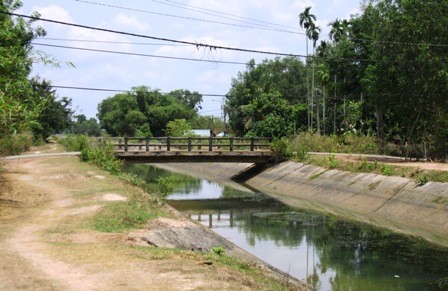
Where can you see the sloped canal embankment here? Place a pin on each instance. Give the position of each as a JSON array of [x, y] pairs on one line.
[[396, 203]]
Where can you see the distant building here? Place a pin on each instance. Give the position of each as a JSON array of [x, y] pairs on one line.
[[201, 132]]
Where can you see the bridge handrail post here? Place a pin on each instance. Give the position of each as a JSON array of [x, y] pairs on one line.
[[168, 144], [231, 144], [252, 144], [147, 144], [199, 143], [210, 144], [125, 143], [189, 144]]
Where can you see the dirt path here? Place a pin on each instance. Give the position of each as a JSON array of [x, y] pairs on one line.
[[45, 243]]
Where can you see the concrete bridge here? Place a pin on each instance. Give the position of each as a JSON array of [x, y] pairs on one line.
[[193, 149]]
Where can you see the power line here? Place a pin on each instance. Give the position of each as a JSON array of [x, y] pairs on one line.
[[201, 45], [196, 44], [124, 91], [112, 42], [138, 54], [188, 18], [220, 14]]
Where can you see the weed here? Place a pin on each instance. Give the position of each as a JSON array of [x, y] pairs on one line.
[[440, 200], [386, 170], [374, 185], [332, 162], [422, 179], [132, 179], [315, 176], [166, 185], [219, 251]]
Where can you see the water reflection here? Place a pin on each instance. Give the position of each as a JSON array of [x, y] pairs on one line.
[[328, 253]]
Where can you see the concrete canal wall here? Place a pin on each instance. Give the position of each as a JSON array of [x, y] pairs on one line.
[[388, 201]]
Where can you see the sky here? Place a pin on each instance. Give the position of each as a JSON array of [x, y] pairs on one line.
[[262, 25]]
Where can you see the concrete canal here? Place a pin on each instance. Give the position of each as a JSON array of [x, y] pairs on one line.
[[326, 252]]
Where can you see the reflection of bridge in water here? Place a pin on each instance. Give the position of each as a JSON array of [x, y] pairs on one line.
[[223, 212], [194, 149]]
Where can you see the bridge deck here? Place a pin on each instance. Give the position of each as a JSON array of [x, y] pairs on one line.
[[194, 150]]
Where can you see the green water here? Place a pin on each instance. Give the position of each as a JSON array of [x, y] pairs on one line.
[[327, 253]]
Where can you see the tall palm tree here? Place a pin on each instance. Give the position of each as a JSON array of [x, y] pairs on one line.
[[323, 77], [313, 34], [306, 20]]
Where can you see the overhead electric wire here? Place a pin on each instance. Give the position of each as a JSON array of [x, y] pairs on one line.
[[188, 18], [220, 14], [111, 42], [196, 44], [138, 54], [124, 91]]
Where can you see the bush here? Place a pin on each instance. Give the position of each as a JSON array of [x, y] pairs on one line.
[[348, 143], [166, 185], [75, 142], [386, 170], [15, 144], [102, 156]]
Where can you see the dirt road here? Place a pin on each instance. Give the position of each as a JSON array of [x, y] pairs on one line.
[[46, 242]]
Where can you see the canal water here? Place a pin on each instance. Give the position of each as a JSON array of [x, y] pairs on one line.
[[326, 252]]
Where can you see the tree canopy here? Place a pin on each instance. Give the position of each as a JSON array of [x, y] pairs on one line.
[[384, 73], [272, 90], [146, 112]]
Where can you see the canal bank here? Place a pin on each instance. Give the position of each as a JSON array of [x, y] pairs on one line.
[[396, 203]]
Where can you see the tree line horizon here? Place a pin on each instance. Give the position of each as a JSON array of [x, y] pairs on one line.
[[383, 73]]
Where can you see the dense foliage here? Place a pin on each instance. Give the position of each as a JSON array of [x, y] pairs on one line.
[[18, 107], [144, 112], [269, 98], [383, 74], [82, 125], [27, 105]]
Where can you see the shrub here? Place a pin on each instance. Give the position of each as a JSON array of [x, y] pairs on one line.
[[218, 251], [166, 185], [15, 144], [386, 170], [103, 156], [332, 162], [75, 142]]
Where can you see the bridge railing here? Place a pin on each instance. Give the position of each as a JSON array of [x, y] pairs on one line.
[[138, 144]]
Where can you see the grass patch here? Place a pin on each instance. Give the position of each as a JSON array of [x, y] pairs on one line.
[[374, 185], [133, 214], [315, 176], [440, 200], [421, 177], [15, 144]]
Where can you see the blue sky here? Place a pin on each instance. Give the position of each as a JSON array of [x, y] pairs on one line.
[[239, 27]]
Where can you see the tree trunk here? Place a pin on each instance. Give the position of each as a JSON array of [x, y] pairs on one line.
[[324, 109], [380, 129], [334, 105]]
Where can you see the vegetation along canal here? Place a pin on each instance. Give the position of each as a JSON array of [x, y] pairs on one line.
[[327, 253]]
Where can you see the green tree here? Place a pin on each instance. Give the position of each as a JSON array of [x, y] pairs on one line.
[[55, 115], [89, 127], [273, 87], [18, 107], [306, 20], [144, 112], [178, 127]]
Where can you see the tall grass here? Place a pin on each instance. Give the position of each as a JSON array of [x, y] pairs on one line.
[[298, 147], [15, 144]]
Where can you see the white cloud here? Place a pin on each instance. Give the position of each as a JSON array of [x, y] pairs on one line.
[[54, 12], [131, 21]]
